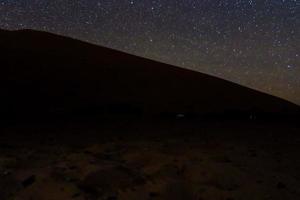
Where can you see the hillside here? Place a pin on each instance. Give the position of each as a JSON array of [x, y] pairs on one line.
[[43, 74]]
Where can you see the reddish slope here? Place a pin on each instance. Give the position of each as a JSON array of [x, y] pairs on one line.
[[42, 73]]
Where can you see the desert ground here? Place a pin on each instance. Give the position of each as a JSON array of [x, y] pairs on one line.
[[139, 160]]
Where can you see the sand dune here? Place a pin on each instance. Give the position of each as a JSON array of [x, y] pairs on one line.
[[44, 74]]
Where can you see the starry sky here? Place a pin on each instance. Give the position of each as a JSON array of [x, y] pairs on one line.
[[255, 43]]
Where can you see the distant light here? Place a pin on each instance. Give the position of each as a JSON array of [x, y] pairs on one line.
[[180, 116]]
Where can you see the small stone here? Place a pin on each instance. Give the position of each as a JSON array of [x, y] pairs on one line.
[[281, 185], [70, 179], [75, 195], [73, 167], [112, 198], [6, 173], [153, 194], [28, 181]]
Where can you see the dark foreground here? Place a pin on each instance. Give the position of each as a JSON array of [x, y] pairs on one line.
[[46, 77], [138, 160]]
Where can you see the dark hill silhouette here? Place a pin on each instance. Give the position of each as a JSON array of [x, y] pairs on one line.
[[44, 75]]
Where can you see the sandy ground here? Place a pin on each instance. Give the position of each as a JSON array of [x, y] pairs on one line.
[[203, 162]]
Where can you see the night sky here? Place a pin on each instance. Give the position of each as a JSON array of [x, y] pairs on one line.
[[252, 42]]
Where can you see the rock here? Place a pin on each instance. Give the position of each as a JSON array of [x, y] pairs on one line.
[[76, 195], [6, 172], [28, 181], [281, 185], [110, 181], [112, 198], [153, 194]]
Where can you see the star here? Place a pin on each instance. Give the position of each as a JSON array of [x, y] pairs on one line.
[[250, 42]]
